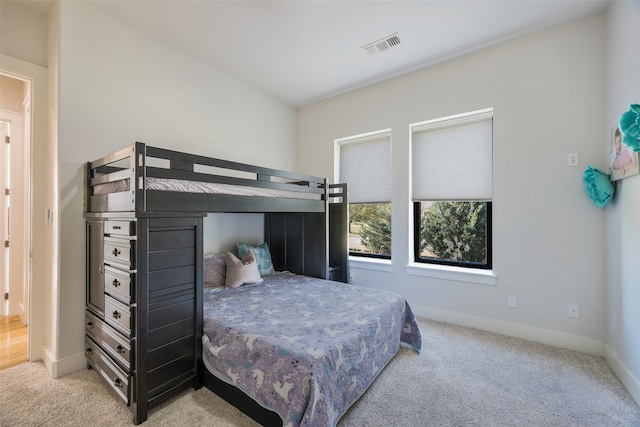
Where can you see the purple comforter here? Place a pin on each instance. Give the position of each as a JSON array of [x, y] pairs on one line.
[[305, 348]]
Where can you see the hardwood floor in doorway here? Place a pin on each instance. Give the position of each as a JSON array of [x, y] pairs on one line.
[[13, 342]]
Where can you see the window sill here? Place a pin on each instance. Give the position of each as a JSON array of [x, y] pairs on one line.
[[459, 274], [371, 263]]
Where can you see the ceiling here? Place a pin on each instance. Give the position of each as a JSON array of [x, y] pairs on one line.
[[304, 51]]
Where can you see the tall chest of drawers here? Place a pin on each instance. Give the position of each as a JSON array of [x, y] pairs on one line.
[[143, 320]]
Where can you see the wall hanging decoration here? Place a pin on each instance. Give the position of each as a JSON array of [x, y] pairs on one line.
[[623, 161], [629, 125], [598, 186]]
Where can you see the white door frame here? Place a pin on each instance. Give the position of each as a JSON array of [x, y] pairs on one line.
[[37, 291]]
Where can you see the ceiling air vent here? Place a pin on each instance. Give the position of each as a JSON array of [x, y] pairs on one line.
[[382, 44]]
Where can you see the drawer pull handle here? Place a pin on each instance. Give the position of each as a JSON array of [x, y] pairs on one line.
[[116, 283], [116, 252], [116, 227], [117, 382], [120, 349], [116, 315], [89, 325], [89, 352]]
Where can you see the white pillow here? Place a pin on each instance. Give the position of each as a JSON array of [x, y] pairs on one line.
[[241, 272]]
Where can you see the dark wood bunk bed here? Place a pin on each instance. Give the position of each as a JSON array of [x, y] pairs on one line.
[[145, 261], [151, 328]]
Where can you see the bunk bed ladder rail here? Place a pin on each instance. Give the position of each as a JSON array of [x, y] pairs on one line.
[[338, 232]]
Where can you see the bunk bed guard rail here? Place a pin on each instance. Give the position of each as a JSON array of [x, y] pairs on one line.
[[141, 178]]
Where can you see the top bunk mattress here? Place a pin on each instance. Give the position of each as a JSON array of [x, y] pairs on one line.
[[186, 186]]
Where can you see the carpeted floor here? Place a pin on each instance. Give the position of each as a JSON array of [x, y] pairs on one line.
[[463, 377]]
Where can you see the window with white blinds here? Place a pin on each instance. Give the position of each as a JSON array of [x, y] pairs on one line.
[[365, 164], [452, 158], [452, 190]]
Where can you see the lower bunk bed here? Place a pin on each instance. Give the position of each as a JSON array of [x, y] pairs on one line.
[[296, 350]]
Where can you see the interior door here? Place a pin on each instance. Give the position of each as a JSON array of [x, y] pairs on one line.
[[4, 214]]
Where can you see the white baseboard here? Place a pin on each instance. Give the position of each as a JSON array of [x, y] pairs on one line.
[[624, 374], [62, 367], [516, 330], [47, 359]]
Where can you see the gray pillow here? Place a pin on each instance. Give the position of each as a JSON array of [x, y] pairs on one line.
[[215, 269], [241, 272]]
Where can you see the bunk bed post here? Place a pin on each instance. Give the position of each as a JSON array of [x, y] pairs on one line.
[[140, 406], [325, 267], [199, 300], [138, 176], [87, 191]]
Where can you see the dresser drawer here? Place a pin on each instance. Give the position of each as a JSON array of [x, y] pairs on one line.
[[121, 228], [117, 379], [120, 252], [117, 283], [118, 315], [113, 343]]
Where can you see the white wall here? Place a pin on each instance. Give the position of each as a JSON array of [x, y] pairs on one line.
[[547, 93], [119, 85], [223, 231], [23, 33], [622, 225]]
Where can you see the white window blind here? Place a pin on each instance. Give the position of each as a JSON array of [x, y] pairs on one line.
[[452, 158], [365, 164]]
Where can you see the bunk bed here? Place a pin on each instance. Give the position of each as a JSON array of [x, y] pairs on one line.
[[144, 209]]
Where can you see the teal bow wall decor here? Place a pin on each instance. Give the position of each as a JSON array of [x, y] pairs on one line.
[[629, 125], [598, 186]]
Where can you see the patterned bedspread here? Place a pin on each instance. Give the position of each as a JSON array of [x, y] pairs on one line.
[[303, 347]]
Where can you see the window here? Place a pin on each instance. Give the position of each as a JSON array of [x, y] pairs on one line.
[[365, 164], [452, 189]]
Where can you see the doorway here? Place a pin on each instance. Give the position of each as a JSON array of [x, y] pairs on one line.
[[15, 218]]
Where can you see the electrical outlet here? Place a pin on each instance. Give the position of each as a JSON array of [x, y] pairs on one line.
[[511, 301], [574, 310], [573, 159]]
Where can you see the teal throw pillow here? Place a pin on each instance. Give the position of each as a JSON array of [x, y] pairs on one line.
[[263, 257]]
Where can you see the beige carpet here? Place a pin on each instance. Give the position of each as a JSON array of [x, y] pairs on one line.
[[463, 377]]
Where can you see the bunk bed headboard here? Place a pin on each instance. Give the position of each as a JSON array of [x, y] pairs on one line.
[[312, 244]]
